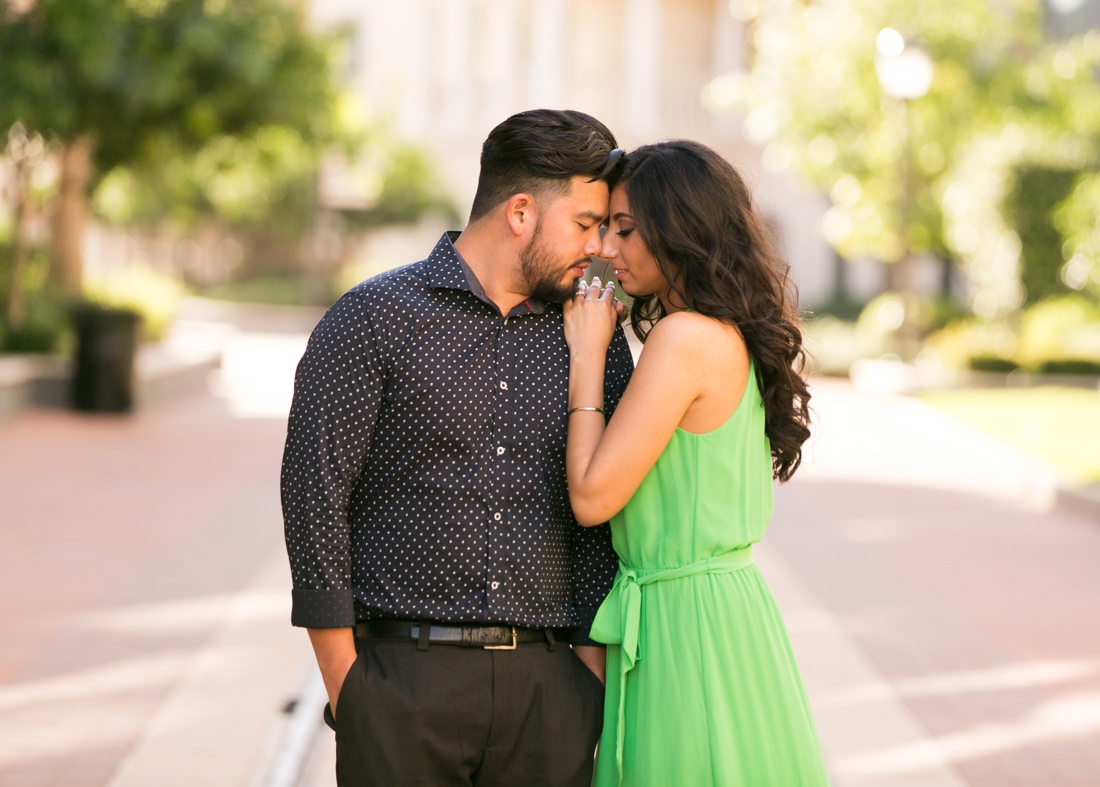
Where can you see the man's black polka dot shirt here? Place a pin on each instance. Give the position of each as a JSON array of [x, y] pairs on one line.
[[424, 470]]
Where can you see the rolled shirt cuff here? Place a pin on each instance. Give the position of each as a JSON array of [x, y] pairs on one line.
[[323, 609]]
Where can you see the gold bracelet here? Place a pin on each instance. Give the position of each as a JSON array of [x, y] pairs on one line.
[[586, 409]]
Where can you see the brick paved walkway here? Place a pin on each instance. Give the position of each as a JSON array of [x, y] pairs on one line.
[[945, 621], [129, 546], [932, 548]]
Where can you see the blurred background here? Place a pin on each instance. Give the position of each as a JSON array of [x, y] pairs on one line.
[[185, 186], [929, 169]]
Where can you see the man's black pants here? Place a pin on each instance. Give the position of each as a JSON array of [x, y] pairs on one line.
[[466, 716]]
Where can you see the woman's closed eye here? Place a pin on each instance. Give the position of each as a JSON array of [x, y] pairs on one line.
[[624, 232]]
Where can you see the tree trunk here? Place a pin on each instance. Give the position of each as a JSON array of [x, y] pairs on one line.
[[71, 214]]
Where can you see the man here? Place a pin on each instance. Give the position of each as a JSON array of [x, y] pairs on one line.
[[436, 562]]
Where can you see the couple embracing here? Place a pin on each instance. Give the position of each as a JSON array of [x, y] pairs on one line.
[[464, 429]]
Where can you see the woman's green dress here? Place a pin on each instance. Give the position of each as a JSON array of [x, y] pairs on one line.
[[702, 685]]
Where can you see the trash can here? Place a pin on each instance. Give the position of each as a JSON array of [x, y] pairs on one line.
[[106, 343]]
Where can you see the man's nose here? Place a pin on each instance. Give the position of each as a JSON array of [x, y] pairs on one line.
[[592, 245]]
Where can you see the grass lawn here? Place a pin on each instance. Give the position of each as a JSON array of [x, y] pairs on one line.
[[1060, 425]]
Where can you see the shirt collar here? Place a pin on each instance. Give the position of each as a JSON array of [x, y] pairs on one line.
[[447, 270]]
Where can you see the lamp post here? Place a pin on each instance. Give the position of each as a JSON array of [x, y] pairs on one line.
[[904, 72]]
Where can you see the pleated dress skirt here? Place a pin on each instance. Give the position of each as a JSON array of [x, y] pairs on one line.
[[702, 684], [714, 696]]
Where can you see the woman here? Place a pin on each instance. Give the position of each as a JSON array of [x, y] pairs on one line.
[[702, 686]]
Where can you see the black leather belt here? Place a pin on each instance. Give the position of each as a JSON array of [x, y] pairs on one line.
[[470, 635]]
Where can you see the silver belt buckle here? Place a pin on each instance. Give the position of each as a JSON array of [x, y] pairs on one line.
[[503, 647]]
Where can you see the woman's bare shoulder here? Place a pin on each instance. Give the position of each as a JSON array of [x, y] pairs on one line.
[[693, 336]]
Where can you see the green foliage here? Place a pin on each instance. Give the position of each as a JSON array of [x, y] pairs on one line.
[[265, 183], [409, 190], [246, 182], [285, 290], [841, 307], [153, 295], [192, 108], [962, 343], [215, 113], [128, 72], [991, 363], [35, 270], [944, 311], [1078, 217], [1060, 333], [1089, 366], [45, 328], [930, 175], [833, 345], [838, 334], [1062, 327], [884, 316], [1029, 208]]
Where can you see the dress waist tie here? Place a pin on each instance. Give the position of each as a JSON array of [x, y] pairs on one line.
[[619, 618]]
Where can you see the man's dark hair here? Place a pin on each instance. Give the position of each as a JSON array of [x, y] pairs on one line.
[[538, 152]]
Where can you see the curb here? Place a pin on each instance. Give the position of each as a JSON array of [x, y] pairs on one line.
[[31, 380], [161, 372], [297, 739], [164, 369], [1049, 487]]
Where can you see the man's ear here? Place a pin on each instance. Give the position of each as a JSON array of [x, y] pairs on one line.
[[521, 213]]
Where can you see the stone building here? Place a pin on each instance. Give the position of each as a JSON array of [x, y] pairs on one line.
[[445, 72]]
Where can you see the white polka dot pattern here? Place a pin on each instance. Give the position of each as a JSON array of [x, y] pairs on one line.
[[424, 470]]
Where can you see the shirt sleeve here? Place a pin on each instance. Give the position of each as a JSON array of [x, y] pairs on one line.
[[594, 560], [337, 395]]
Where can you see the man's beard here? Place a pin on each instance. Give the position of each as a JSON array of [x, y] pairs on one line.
[[543, 276]]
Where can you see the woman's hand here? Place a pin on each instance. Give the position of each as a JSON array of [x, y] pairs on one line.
[[590, 317]]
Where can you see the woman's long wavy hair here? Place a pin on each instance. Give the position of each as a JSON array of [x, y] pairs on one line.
[[696, 216]]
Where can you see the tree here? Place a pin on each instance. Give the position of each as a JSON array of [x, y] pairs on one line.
[[1002, 97], [286, 207], [112, 82], [25, 152], [1078, 218]]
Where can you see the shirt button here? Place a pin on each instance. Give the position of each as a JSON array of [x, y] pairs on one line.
[[496, 516], [503, 385], [500, 450], [495, 585]]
